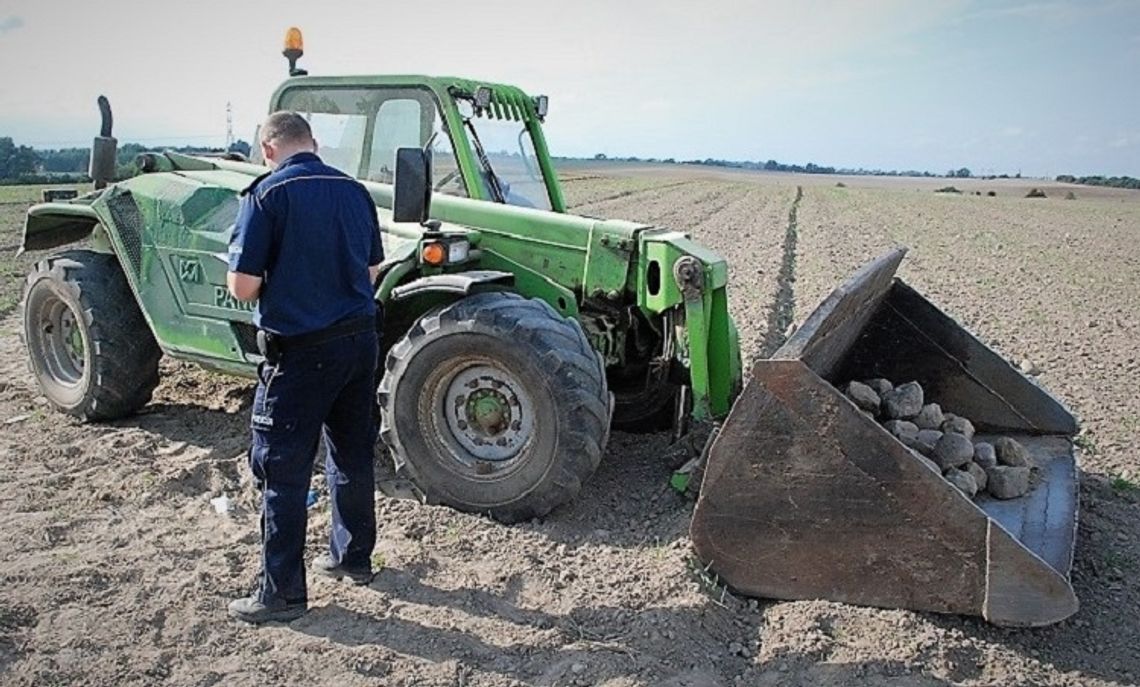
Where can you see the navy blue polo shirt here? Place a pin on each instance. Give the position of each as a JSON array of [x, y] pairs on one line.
[[310, 231]]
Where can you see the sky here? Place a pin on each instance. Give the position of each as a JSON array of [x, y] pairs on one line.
[[999, 86]]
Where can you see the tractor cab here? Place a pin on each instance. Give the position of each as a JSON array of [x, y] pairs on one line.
[[486, 139]]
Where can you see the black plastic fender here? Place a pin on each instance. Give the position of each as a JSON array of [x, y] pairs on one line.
[[457, 282]]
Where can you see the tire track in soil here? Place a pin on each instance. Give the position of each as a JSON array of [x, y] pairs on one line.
[[624, 194], [630, 192], [682, 218], [782, 312], [639, 202], [724, 199]]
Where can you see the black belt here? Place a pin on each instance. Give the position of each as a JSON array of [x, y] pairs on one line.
[[273, 345]]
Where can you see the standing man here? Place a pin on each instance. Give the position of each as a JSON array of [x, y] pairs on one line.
[[307, 247]]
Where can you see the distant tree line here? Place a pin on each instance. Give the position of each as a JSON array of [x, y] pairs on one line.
[[1115, 182], [21, 164], [16, 162], [775, 166]]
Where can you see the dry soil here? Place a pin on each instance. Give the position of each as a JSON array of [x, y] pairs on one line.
[[116, 570]]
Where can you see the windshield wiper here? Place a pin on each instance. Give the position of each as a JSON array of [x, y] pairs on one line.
[[492, 180]]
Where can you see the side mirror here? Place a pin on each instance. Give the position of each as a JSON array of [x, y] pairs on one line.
[[412, 201]]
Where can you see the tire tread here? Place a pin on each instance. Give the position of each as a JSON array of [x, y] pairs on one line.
[[582, 394]]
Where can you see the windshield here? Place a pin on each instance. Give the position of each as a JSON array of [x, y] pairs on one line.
[[510, 152], [358, 130]]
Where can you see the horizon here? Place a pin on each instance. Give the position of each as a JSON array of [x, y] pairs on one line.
[[996, 87], [741, 165]]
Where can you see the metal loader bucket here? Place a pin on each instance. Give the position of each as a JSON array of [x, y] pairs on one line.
[[805, 496]]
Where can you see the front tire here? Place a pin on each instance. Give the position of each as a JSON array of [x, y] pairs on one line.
[[495, 404], [88, 345]]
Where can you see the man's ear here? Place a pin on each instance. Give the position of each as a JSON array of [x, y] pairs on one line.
[[268, 153], [316, 146]]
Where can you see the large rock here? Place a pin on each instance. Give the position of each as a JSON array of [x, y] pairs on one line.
[[958, 425], [1006, 482], [1010, 452], [926, 440], [880, 385], [978, 473], [930, 417], [903, 402], [952, 451], [864, 397], [901, 428], [963, 480], [984, 455]]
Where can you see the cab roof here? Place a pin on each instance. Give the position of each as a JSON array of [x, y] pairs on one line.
[[507, 102]]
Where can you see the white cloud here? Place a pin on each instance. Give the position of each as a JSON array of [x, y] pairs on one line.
[[1126, 140], [1056, 12], [10, 23]]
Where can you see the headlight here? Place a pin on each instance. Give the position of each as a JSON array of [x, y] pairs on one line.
[[483, 97], [458, 251], [445, 252]]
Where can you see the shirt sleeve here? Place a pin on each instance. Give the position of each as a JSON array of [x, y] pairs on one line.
[[252, 237], [376, 253]]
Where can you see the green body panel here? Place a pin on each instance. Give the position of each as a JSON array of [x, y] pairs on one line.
[[171, 229]]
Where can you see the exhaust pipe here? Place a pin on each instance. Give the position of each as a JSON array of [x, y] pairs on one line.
[[104, 148]]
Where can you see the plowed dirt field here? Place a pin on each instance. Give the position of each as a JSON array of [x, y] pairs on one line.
[[116, 570]]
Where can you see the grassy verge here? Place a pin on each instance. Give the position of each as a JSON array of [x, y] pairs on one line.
[[33, 194]]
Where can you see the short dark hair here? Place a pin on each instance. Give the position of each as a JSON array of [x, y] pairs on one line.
[[287, 127]]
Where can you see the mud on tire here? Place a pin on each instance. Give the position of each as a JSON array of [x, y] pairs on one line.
[[495, 404], [88, 345]]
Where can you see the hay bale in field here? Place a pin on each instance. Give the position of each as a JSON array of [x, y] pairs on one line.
[[1070, 196], [947, 189], [840, 184], [1035, 193], [54, 194], [991, 194]]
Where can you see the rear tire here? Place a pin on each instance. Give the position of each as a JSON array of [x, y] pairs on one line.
[[495, 404], [88, 345]]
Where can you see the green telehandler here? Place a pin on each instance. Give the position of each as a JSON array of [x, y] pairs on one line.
[[516, 334]]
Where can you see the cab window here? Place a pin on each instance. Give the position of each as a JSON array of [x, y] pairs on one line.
[[358, 130]]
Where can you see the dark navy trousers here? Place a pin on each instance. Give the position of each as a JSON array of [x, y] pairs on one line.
[[323, 392]]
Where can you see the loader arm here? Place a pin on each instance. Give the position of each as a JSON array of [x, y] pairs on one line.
[[572, 262], [676, 274]]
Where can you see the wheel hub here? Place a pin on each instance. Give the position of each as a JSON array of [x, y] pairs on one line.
[[489, 410], [60, 342], [72, 340], [489, 414]]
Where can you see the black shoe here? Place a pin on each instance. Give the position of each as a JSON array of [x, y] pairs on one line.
[[253, 611], [324, 565]]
